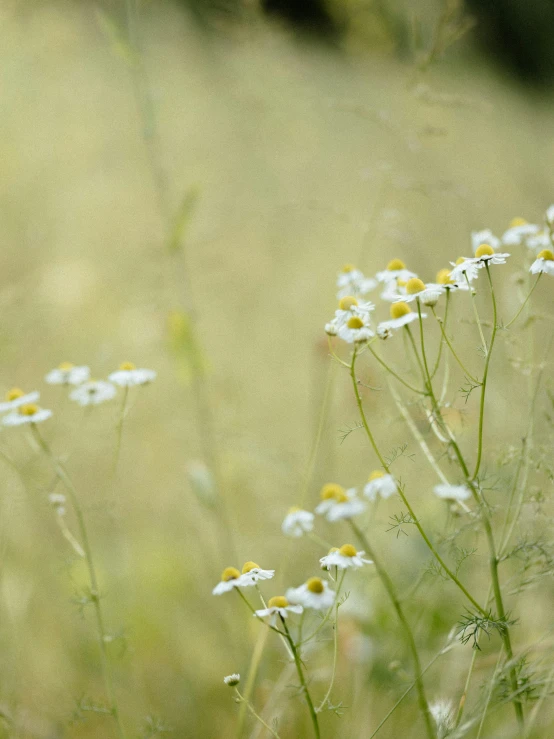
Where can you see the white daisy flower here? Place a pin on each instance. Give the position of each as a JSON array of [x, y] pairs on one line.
[[351, 281], [543, 263], [401, 315], [93, 392], [297, 522], [314, 593], [444, 280], [28, 413], [549, 215], [486, 255], [278, 606], [539, 241], [231, 578], [67, 374], [519, 231], [356, 330], [331, 328], [350, 307], [338, 503], [380, 484], [452, 492], [442, 712], [128, 375], [252, 572], [416, 289], [15, 398], [394, 290], [343, 558], [464, 270], [232, 680], [396, 270], [486, 236]]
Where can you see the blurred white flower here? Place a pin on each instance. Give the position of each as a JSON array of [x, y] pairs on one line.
[[28, 413], [396, 270], [338, 503], [452, 492], [417, 289], [67, 374], [93, 392], [356, 330], [57, 501], [464, 270], [442, 712], [485, 236], [351, 281], [278, 606], [253, 572], [543, 263], [343, 558], [519, 231], [231, 578], [297, 522], [380, 484], [128, 375], [15, 398], [232, 680], [401, 315], [314, 593]]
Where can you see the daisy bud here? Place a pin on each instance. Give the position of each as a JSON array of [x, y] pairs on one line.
[[232, 680]]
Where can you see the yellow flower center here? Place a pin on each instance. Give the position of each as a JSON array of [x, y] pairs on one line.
[[355, 322], [29, 409], [128, 366], [348, 268], [347, 302], [397, 310], [315, 585], [395, 264], [294, 509], [517, 222], [248, 566], [333, 491], [375, 475], [14, 393], [546, 254], [347, 550], [65, 366], [414, 285], [278, 601], [443, 277], [460, 260], [484, 251], [230, 573]]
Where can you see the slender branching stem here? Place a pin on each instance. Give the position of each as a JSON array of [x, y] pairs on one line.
[[524, 302], [301, 677], [476, 314], [250, 707], [393, 373], [453, 351]]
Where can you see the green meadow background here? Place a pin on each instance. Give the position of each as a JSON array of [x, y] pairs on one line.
[[186, 207]]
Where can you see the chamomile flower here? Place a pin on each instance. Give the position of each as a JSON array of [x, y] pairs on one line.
[[485, 254], [452, 492], [351, 281], [356, 329], [401, 315], [28, 413], [350, 307], [464, 270], [416, 289], [519, 231], [15, 398], [314, 593], [297, 522], [231, 578], [338, 503], [343, 558], [485, 236], [549, 216], [380, 484], [543, 263], [232, 680], [539, 241], [444, 280], [128, 375], [394, 290], [67, 374], [396, 270], [93, 392], [278, 606], [253, 572]]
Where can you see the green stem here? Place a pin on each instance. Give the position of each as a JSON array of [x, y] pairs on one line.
[[456, 357], [394, 374], [391, 592], [441, 345], [476, 314], [299, 670], [250, 707], [94, 591], [524, 302], [119, 429]]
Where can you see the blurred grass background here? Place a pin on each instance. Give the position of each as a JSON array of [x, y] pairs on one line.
[[304, 153]]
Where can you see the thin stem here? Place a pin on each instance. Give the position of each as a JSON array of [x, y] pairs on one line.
[[253, 611], [394, 374], [441, 345], [335, 652], [525, 301], [119, 428], [456, 357], [476, 314], [391, 592], [252, 673], [94, 591], [485, 709], [250, 707], [299, 670], [416, 353]]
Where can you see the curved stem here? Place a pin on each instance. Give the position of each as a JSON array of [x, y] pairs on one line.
[[441, 345], [94, 591], [250, 707], [299, 670], [456, 357], [391, 592], [476, 314], [393, 373], [524, 302]]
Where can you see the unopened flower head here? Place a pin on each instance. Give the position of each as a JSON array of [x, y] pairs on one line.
[[343, 558], [351, 281], [232, 680], [485, 236], [543, 263], [452, 492], [93, 392], [278, 606], [314, 593], [338, 503], [57, 501], [380, 484], [28, 413], [128, 375], [297, 522], [67, 374], [396, 270], [253, 572], [17, 397], [401, 315]]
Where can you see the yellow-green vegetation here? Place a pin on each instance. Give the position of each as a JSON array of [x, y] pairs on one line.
[[181, 214]]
